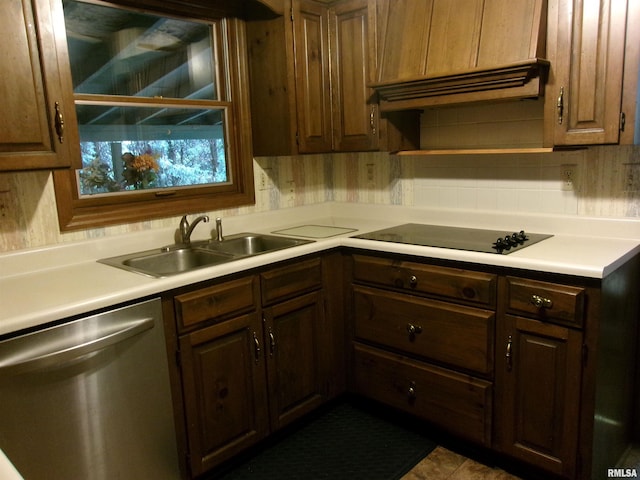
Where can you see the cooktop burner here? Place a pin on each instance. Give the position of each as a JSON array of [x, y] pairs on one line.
[[459, 238]]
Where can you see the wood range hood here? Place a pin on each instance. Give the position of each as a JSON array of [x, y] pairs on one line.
[[446, 52]]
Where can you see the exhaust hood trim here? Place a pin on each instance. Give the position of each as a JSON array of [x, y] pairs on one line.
[[518, 80]]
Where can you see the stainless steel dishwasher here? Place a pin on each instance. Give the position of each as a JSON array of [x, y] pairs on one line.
[[90, 399]]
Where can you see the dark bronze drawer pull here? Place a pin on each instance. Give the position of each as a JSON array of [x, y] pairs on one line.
[[272, 342], [541, 302], [412, 330], [411, 392], [509, 354], [256, 345], [59, 122]]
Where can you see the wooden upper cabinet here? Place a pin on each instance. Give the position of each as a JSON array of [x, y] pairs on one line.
[[355, 112], [312, 75], [30, 88], [586, 43]]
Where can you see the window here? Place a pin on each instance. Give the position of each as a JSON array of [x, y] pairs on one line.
[[158, 109]]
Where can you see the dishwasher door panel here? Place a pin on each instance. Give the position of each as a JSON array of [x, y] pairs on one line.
[[90, 399]]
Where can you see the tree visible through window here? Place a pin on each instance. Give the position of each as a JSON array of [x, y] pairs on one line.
[[135, 165]]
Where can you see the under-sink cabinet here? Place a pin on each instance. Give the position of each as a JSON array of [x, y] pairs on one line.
[[253, 353], [534, 367]]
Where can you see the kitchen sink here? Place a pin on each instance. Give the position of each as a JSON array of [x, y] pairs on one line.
[[171, 261], [247, 244], [177, 259]]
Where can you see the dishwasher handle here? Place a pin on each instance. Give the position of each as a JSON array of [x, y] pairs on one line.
[[47, 348]]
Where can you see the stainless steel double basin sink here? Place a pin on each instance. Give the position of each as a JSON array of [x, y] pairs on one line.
[[174, 259]]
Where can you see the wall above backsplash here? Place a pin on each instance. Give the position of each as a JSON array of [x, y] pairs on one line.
[[516, 183]]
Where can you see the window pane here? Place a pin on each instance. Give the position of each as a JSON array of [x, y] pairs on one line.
[[135, 148], [121, 52]]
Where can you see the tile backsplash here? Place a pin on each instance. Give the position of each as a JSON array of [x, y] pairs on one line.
[[604, 186]]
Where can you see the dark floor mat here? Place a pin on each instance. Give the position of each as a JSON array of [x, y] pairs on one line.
[[346, 442]]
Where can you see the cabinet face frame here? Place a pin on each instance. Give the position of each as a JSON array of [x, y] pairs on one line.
[[75, 212]]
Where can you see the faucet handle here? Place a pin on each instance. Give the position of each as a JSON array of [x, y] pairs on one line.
[[219, 236]]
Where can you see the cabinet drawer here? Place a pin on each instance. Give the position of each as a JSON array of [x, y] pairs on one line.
[[220, 300], [453, 334], [454, 283], [546, 301], [458, 403], [290, 280]]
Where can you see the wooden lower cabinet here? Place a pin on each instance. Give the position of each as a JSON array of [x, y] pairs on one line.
[[253, 356], [417, 349], [536, 367], [224, 386], [539, 394], [292, 329], [457, 402]]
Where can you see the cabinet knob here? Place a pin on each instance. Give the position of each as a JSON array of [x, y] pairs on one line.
[[411, 392], [413, 281], [541, 302], [412, 330]]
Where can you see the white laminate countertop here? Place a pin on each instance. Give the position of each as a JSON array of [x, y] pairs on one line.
[[48, 284]]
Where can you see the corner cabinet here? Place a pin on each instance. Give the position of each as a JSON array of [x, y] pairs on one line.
[[309, 79], [32, 126], [586, 48], [253, 353]]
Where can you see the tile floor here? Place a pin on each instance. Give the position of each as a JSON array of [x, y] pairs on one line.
[[443, 464]]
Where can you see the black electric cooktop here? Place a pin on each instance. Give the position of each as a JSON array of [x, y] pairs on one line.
[[458, 238]]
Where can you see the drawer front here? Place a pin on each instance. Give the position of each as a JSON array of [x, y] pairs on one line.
[[221, 300], [453, 283], [546, 301], [290, 280], [456, 335], [458, 403]]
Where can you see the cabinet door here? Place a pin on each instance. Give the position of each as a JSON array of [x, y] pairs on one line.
[[538, 393], [292, 330], [586, 40], [313, 91], [354, 112], [32, 104], [224, 390]]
